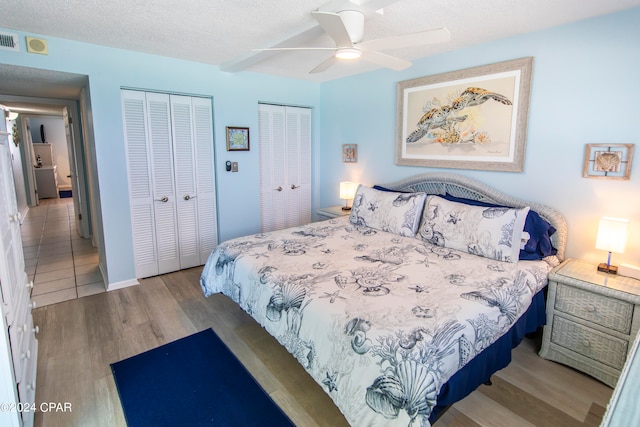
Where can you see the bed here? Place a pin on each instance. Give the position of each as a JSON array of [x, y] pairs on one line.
[[407, 305]]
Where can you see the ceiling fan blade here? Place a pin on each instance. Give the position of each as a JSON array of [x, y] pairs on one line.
[[324, 65], [334, 26], [439, 35], [292, 48], [385, 60]]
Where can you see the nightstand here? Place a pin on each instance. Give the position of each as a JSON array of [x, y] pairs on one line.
[[332, 212], [592, 319]]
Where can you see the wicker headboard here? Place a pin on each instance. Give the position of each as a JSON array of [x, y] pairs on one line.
[[468, 188]]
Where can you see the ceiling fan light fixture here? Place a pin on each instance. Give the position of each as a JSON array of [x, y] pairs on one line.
[[348, 53]]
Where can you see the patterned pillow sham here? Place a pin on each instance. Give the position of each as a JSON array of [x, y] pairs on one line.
[[540, 231], [490, 232], [397, 213]]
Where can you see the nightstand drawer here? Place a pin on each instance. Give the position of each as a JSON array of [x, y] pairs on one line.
[[605, 311], [593, 344]]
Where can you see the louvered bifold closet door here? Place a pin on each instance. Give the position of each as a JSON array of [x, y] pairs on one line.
[[298, 154], [273, 172], [185, 181], [206, 178], [140, 178], [170, 161], [163, 179]]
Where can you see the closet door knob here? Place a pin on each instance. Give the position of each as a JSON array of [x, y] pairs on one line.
[[36, 329], [29, 285], [293, 186], [32, 305], [165, 199], [188, 197], [278, 189]]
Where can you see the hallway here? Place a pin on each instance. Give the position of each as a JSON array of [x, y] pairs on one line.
[[62, 265]]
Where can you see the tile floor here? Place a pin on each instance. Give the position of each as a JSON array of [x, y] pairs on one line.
[[62, 265]]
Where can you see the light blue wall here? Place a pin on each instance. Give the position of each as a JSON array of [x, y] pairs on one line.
[[235, 102], [585, 89]]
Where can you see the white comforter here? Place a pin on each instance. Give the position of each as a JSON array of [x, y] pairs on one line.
[[380, 321]]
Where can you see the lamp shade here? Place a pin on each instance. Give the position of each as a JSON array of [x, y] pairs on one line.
[[347, 190], [612, 234]]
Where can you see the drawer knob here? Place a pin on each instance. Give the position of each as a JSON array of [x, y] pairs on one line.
[[586, 343], [29, 285], [591, 308]]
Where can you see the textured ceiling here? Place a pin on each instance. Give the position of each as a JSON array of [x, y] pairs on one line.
[[224, 32]]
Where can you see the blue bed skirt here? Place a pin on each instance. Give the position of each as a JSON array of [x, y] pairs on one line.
[[493, 358]]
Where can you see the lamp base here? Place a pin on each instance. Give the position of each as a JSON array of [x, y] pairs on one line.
[[611, 269], [346, 208]]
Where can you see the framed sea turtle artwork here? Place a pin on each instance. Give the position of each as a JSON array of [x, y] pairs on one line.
[[474, 118], [612, 161], [237, 139]]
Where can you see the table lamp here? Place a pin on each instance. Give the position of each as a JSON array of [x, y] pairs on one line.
[[347, 192], [612, 237]]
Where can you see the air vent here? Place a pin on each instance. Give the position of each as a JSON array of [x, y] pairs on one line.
[[9, 41]]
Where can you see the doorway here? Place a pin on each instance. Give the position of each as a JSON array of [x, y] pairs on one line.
[[61, 98]]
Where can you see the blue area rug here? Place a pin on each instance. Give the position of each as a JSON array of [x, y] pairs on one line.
[[194, 381]]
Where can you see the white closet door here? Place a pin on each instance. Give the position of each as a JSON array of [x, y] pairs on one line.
[[162, 178], [140, 190], [205, 176], [12, 276], [12, 272], [170, 160], [273, 173], [185, 181], [285, 166], [298, 152]]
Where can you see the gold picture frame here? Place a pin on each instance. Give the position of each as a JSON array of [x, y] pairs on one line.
[[237, 138], [474, 118], [610, 161]]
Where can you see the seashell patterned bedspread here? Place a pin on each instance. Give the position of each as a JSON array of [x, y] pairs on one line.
[[380, 321]]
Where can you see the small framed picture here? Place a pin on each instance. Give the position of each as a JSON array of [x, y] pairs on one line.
[[350, 153], [612, 161], [237, 139]]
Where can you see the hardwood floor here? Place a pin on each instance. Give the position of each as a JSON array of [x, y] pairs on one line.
[[78, 340]]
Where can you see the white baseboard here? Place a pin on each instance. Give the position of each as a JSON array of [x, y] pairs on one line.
[[123, 284], [117, 285]]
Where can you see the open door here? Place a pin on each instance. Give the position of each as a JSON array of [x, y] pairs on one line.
[[28, 160], [74, 166]]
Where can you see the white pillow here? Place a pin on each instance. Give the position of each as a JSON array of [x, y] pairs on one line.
[[397, 213], [490, 232]]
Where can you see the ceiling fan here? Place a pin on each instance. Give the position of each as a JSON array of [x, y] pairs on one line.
[[346, 28]]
